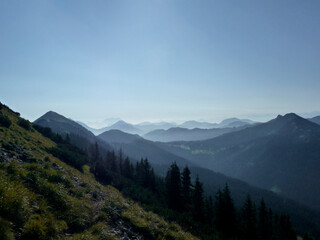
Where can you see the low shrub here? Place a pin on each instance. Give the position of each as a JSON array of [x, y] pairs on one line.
[[5, 230], [35, 228], [24, 123], [9, 146], [4, 121], [12, 202]]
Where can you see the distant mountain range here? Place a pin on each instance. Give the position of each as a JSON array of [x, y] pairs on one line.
[[315, 120], [146, 127], [281, 155], [184, 134], [137, 147]]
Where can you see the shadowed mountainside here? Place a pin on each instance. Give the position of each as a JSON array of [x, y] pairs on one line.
[[79, 135], [281, 155]]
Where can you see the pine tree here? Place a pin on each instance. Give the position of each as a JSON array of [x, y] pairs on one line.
[[208, 210], [94, 153], [111, 161], [120, 161], [248, 225], [286, 229], [198, 203], [225, 214], [186, 188], [127, 169], [264, 223], [173, 187]]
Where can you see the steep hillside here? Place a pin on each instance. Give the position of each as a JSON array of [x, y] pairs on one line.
[[281, 155], [42, 197]]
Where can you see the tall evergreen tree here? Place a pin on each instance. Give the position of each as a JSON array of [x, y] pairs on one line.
[[208, 210], [286, 229], [173, 187], [93, 152], [127, 169], [111, 161], [120, 161], [186, 188], [248, 220], [264, 223], [225, 214], [198, 203]]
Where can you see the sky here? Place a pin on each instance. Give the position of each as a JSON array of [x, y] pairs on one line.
[[170, 60]]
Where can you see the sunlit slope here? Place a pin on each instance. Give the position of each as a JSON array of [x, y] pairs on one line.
[[41, 197]]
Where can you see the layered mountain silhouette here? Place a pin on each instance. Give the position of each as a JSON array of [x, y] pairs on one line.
[[281, 155], [119, 125], [315, 120], [78, 134], [161, 155], [137, 147], [146, 127], [125, 127], [195, 124], [184, 134], [227, 123], [93, 130]]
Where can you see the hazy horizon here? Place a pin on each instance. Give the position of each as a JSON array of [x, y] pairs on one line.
[[100, 123], [160, 60]]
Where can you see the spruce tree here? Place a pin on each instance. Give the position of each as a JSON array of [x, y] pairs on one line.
[[173, 187], [208, 210], [186, 188], [198, 203], [120, 161], [111, 161], [264, 223], [286, 229], [127, 169], [225, 214], [248, 220]]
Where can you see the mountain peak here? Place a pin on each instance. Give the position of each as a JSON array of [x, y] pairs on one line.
[[121, 122], [291, 115], [288, 116], [51, 115]]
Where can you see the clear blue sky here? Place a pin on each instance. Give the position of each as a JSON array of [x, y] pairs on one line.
[[160, 60]]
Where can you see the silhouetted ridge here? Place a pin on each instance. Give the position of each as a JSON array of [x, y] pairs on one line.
[[79, 135], [281, 155], [117, 136]]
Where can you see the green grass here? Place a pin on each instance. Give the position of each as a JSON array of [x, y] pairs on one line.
[[42, 197]]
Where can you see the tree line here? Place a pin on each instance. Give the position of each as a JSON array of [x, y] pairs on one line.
[[179, 198]]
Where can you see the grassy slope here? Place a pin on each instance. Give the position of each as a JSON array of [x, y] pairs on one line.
[[43, 198]]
